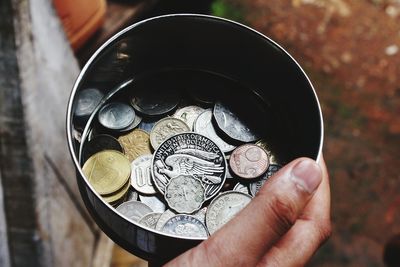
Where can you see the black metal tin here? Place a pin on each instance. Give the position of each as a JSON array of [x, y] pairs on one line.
[[212, 45]]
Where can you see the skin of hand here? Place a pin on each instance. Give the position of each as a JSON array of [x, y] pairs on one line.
[[284, 225]]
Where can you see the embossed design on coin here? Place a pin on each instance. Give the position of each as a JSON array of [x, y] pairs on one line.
[[134, 210], [153, 102], [168, 214], [185, 226], [232, 125], [203, 125], [107, 171], [256, 186], [224, 207], [249, 161], [188, 115], [99, 143], [154, 202], [184, 194], [166, 128], [264, 145], [116, 116], [150, 220], [141, 175], [135, 144], [189, 154], [88, 99], [242, 188]]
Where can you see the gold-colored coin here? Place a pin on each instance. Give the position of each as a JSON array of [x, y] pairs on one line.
[[117, 195], [107, 171], [264, 145], [135, 144]]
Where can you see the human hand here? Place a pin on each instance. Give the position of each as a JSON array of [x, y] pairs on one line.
[[282, 226]]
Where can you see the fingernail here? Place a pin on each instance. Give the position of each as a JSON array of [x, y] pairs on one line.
[[307, 175]]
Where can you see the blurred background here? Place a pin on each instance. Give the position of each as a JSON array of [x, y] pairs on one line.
[[350, 50]]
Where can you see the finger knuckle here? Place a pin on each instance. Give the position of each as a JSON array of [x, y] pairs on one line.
[[283, 211]]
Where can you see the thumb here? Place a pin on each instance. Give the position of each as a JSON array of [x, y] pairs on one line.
[[246, 238]]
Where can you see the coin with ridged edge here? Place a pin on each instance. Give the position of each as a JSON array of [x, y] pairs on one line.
[[134, 210], [224, 207], [165, 128], [107, 171], [135, 143], [190, 154], [185, 226]]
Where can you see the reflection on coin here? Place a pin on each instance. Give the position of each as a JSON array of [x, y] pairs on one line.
[[185, 226], [133, 125], [249, 161], [99, 143], [166, 128], [224, 207], [201, 215], [116, 116], [87, 101], [147, 125], [203, 125], [188, 115], [134, 210], [153, 102], [232, 125], [168, 214], [264, 144], [241, 188], [107, 171], [135, 144], [150, 220], [117, 195], [184, 194], [189, 154], [154, 202], [256, 186], [141, 175]]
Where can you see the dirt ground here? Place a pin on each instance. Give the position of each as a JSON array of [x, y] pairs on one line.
[[350, 49]]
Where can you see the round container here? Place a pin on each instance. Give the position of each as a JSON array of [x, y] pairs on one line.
[[187, 43]]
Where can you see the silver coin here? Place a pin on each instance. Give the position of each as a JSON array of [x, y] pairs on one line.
[[134, 124], [150, 220], [256, 186], [223, 208], [189, 154], [242, 188], [184, 194], [134, 210], [141, 175], [153, 102], [154, 202], [87, 101], [168, 214], [232, 125], [165, 128], [146, 125], [201, 215], [188, 115], [116, 116], [203, 125], [185, 226]]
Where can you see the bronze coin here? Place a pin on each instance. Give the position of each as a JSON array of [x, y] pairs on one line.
[[249, 161]]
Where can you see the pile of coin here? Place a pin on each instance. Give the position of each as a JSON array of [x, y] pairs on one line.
[[183, 167]]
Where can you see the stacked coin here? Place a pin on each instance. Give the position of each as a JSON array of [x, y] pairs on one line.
[[184, 171]]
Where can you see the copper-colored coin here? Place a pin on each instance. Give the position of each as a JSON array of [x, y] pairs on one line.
[[107, 171], [249, 161], [135, 144]]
